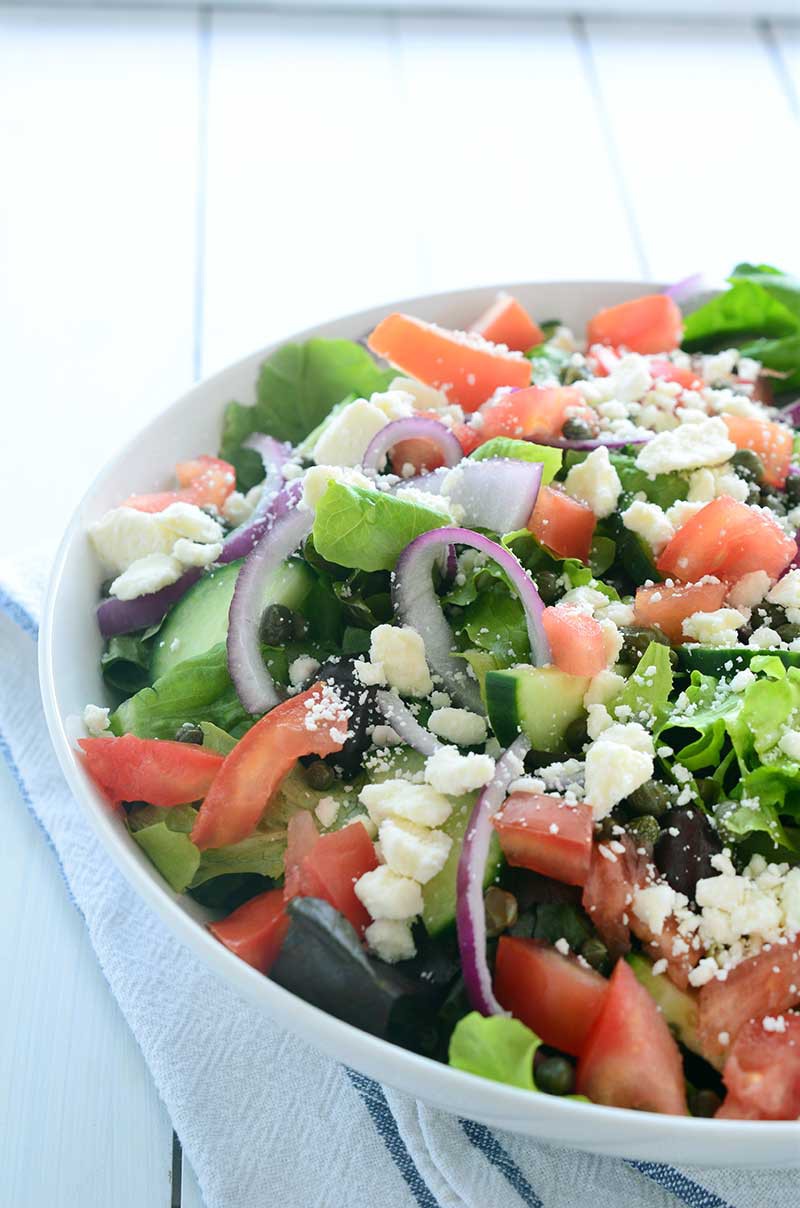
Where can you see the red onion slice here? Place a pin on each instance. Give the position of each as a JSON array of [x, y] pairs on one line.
[[242, 540], [417, 604], [497, 494], [403, 721], [413, 427], [685, 288], [274, 454], [470, 911], [252, 680], [115, 617], [561, 442]]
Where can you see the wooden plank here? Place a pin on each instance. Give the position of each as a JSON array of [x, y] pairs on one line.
[[80, 1121], [706, 139], [98, 146]]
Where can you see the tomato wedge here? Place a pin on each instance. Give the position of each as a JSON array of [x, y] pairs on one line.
[[465, 369], [255, 767], [727, 539], [772, 442], [564, 525], [205, 481], [150, 769], [666, 608], [535, 411], [762, 1073], [553, 994], [630, 1058], [576, 640], [507, 322], [763, 985], [608, 891], [255, 931], [301, 837], [547, 835], [334, 864], [649, 324]]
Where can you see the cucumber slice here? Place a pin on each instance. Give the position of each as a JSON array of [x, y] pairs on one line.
[[538, 701], [679, 1007], [439, 895], [200, 620], [727, 660]]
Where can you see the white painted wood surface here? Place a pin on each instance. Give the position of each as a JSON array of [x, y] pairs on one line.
[[178, 187]]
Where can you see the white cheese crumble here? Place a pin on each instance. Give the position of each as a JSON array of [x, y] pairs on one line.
[[302, 669], [345, 439], [604, 687], [451, 772], [420, 803], [413, 850], [385, 736], [387, 895], [125, 535], [618, 762], [238, 508], [426, 398], [146, 575], [749, 590], [460, 726], [649, 521], [327, 810], [95, 718], [391, 940], [195, 553], [653, 904], [786, 591], [716, 628], [395, 404], [596, 483], [687, 448], [400, 651]]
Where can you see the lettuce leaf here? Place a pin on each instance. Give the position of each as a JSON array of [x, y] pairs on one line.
[[297, 387], [495, 1047], [368, 530], [748, 310], [521, 450], [495, 622], [648, 689]]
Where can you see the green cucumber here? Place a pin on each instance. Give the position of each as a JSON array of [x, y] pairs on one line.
[[439, 894], [727, 660], [679, 1007], [200, 620], [538, 701]]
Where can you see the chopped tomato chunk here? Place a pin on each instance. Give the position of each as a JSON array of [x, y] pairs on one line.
[[205, 481], [301, 836], [150, 769], [727, 539], [576, 640], [335, 863], [762, 1072], [255, 767], [763, 985], [772, 442], [507, 322], [255, 931], [630, 1058], [468, 437], [664, 371], [666, 608], [649, 324], [553, 994], [547, 835], [536, 411], [467, 370], [564, 525]]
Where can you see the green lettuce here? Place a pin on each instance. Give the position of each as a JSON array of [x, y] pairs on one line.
[[297, 387], [125, 662], [495, 1047], [664, 489], [648, 689], [495, 622], [521, 450], [702, 715], [368, 530]]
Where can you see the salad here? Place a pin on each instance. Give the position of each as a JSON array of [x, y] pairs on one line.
[[463, 688]]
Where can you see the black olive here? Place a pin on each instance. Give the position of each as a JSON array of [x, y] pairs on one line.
[[792, 488], [788, 632], [636, 639], [576, 735], [704, 1103], [364, 712], [684, 849]]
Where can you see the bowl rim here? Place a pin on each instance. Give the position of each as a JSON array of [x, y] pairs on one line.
[[329, 1032]]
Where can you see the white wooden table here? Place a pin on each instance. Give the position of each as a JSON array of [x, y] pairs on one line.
[[178, 187]]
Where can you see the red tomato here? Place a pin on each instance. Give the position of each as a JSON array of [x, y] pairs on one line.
[[766, 984], [649, 324], [772, 442], [205, 481], [630, 1058], [762, 1073], [603, 360], [608, 892], [301, 836], [666, 608], [335, 863], [256, 930], [727, 539], [508, 322], [536, 411], [546, 835], [467, 372], [150, 769], [576, 640], [468, 437], [552, 994], [255, 767], [563, 524], [664, 371], [424, 455]]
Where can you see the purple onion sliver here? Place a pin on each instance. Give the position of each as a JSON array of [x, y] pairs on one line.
[[115, 617], [561, 442], [413, 427], [790, 412], [684, 289], [243, 539], [402, 720], [470, 910]]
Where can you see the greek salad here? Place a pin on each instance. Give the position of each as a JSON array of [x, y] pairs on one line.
[[463, 688]]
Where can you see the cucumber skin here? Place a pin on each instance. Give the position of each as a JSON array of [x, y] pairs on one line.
[[538, 701], [439, 895], [711, 660]]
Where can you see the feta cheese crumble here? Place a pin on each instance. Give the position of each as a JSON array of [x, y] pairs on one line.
[[687, 448], [451, 772], [460, 726], [400, 652], [596, 483]]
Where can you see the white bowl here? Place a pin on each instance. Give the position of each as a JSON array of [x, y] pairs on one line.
[[69, 654]]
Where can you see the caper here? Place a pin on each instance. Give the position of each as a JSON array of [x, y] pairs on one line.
[[319, 775], [576, 735], [277, 625], [501, 910], [549, 586], [577, 429], [774, 501], [644, 830], [748, 465], [651, 799], [753, 494], [708, 791], [555, 1075], [704, 1103], [606, 828], [636, 639], [574, 373], [788, 632], [792, 488], [594, 952], [189, 732]]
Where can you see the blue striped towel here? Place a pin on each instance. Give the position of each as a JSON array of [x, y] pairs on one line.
[[262, 1116]]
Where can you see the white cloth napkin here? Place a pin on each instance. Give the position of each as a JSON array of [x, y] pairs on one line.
[[263, 1117]]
